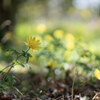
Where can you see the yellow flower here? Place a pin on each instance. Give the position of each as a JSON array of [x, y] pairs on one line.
[[84, 53], [51, 64], [69, 36], [31, 59], [48, 37], [41, 28], [33, 44], [97, 73], [70, 41], [59, 34]]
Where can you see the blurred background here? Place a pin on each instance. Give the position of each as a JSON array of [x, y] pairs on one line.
[[67, 30]]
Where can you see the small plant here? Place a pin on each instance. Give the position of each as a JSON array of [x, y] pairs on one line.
[[6, 79], [51, 70]]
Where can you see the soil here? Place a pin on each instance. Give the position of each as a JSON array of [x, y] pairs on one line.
[[35, 87]]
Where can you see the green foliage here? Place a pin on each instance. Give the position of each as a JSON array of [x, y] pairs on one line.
[[6, 80], [83, 55], [63, 49]]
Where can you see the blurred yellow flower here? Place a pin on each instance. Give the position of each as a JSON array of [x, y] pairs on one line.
[[48, 37], [69, 36], [59, 34], [31, 59], [97, 73], [51, 64], [32, 43], [41, 28], [70, 41], [84, 53]]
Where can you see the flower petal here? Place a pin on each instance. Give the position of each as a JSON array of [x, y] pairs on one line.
[[97, 73], [31, 51]]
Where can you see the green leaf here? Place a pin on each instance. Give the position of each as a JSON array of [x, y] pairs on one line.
[[21, 64], [18, 91], [13, 50], [10, 80]]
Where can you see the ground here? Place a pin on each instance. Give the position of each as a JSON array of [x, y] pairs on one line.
[[37, 87]]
